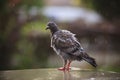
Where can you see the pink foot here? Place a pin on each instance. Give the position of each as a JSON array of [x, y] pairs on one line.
[[61, 69], [68, 68]]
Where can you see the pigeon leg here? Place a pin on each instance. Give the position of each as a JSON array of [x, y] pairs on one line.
[[68, 65], [64, 66]]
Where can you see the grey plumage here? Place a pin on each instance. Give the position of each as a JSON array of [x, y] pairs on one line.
[[67, 46]]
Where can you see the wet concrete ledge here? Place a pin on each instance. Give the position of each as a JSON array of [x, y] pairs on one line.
[[54, 74]]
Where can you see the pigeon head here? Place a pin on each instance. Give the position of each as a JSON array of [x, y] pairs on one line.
[[52, 27]]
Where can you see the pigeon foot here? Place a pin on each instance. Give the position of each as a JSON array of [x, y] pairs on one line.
[[69, 68], [62, 68]]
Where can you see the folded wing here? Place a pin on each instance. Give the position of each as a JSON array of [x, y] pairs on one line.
[[65, 41]]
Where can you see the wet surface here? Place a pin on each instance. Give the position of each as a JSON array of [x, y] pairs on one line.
[[54, 74]]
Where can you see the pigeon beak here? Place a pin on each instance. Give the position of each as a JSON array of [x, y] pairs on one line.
[[47, 28]]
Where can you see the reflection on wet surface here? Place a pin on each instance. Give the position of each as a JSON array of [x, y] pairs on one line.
[[54, 74]]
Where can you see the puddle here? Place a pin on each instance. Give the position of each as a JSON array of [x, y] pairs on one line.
[[54, 74]]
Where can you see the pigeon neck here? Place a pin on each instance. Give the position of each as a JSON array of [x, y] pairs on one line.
[[54, 30]]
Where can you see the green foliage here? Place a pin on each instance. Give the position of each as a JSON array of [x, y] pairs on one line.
[[111, 68], [88, 3], [2, 4], [108, 8], [37, 26], [25, 56], [10, 29], [30, 3], [31, 49]]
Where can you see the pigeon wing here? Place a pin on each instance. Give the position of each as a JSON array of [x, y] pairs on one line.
[[65, 41]]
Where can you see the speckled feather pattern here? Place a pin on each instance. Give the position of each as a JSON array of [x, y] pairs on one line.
[[66, 45]]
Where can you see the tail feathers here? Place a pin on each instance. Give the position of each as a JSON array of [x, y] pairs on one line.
[[89, 59]]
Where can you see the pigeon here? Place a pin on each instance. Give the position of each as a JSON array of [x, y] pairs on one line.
[[65, 44]]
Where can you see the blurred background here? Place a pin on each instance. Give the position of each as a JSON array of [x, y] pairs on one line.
[[25, 44]]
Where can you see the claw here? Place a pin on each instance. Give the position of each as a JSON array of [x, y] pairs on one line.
[[62, 69], [66, 66], [68, 69]]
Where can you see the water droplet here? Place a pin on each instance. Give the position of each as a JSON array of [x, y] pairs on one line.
[[92, 78]]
